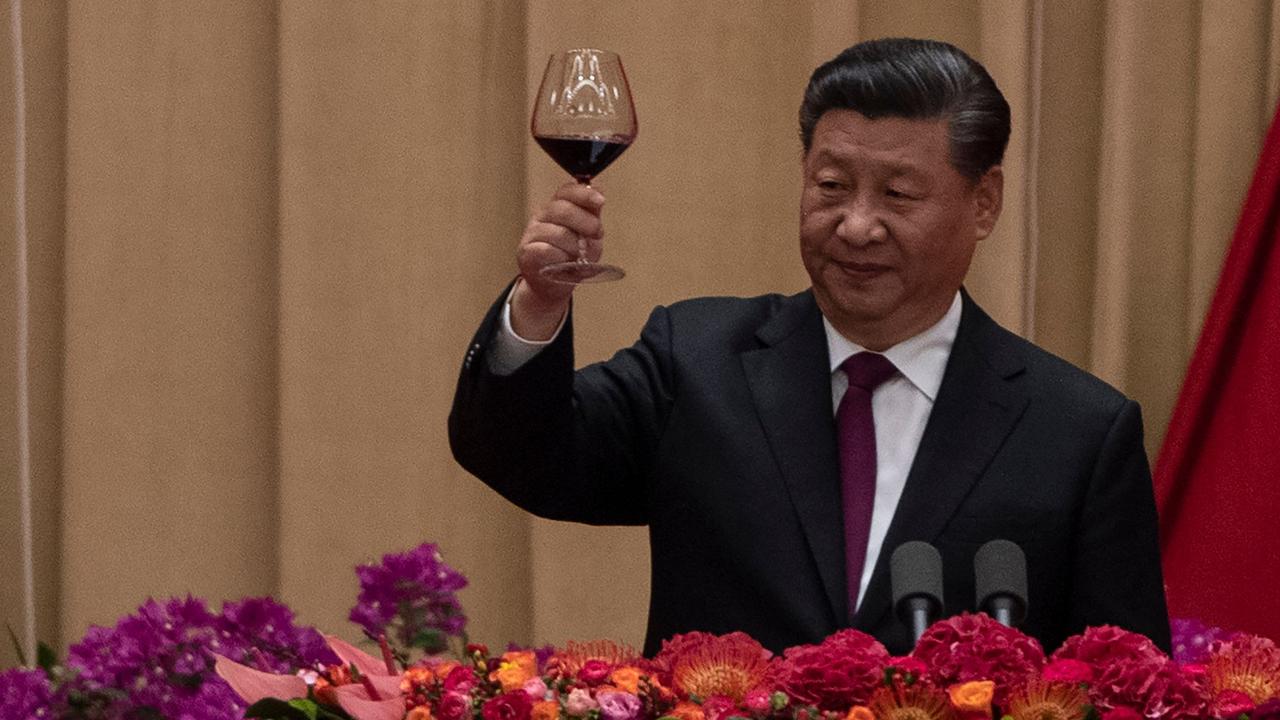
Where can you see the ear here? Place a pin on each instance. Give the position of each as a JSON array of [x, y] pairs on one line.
[[988, 199]]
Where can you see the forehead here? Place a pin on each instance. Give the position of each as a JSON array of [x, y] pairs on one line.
[[848, 137]]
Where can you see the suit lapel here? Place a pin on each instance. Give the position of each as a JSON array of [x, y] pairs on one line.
[[976, 408], [790, 381]]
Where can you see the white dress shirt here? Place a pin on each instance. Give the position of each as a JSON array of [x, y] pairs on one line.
[[900, 406]]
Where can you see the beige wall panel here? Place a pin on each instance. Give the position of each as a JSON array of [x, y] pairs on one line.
[[834, 27], [403, 133], [704, 203], [1067, 176], [12, 596], [1273, 56], [1145, 201], [998, 276], [1232, 116], [170, 297], [44, 38], [955, 21]]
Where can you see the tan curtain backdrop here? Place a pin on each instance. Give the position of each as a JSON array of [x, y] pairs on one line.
[[261, 234]]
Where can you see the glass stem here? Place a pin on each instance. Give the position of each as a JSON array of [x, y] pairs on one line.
[[582, 242]]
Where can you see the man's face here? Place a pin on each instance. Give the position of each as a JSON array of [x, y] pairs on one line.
[[887, 225]]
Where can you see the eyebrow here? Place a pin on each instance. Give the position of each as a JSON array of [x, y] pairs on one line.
[[897, 169]]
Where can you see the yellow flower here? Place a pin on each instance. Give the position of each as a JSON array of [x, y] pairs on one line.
[[973, 696], [422, 712], [1041, 700]]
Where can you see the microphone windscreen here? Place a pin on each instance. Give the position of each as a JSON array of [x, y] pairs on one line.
[[915, 570], [1000, 568]]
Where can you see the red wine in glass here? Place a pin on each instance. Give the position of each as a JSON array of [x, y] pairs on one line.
[[583, 158], [584, 119]]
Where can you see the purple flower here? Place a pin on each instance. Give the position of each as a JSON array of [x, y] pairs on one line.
[[159, 660], [618, 705], [412, 598], [1191, 639], [26, 695]]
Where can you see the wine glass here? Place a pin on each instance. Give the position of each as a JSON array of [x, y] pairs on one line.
[[584, 119]]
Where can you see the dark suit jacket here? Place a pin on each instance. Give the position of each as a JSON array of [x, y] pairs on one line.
[[716, 430]]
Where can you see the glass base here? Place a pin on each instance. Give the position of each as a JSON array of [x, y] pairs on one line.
[[578, 273]]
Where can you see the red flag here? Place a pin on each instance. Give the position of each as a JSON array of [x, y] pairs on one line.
[[1218, 475]]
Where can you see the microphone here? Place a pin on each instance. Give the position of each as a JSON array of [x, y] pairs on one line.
[[915, 570], [1000, 579]]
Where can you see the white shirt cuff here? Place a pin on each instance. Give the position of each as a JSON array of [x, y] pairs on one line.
[[510, 351]]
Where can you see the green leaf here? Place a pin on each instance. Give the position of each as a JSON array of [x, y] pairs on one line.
[[17, 646], [46, 657], [276, 709]]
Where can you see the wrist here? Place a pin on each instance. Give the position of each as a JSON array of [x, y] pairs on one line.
[[534, 316]]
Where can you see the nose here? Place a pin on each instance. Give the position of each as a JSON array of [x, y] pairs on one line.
[[861, 223]]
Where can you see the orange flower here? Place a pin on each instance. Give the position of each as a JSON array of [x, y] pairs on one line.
[[543, 710], [422, 712], [974, 696], [729, 665], [1247, 664], [570, 660], [686, 710], [511, 676], [1041, 700], [524, 658], [914, 702], [626, 678], [860, 712]]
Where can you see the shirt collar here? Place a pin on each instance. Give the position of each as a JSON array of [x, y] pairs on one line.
[[922, 359]]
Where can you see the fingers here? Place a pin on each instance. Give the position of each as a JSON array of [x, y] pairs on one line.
[[568, 224], [576, 207]]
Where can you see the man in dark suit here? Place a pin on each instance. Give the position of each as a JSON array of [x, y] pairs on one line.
[[775, 480]]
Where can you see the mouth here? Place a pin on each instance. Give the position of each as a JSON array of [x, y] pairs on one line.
[[862, 270]]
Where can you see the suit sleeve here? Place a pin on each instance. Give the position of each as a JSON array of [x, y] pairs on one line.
[[561, 444], [1117, 573]]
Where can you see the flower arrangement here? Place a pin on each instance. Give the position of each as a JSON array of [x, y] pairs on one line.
[[178, 659]]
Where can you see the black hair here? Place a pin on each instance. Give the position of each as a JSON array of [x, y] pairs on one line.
[[919, 80]]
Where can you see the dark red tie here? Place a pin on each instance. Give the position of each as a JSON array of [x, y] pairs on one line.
[[856, 435]]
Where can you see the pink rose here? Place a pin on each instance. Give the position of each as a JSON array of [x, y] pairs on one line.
[[594, 672], [536, 688], [1122, 714], [1068, 671], [579, 702], [508, 706], [453, 706]]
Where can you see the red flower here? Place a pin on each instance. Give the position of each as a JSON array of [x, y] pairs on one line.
[[718, 707], [508, 706], [460, 679], [975, 647], [594, 672], [1103, 646], [1068, 671], [1155, 689], [1231, 704], [1121, 714], [841, 672], [453, 706]]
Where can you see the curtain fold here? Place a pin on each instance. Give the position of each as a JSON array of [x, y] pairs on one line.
[[262, 233]]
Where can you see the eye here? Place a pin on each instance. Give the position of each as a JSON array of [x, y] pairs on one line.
[[829, 184], [898, 194]]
